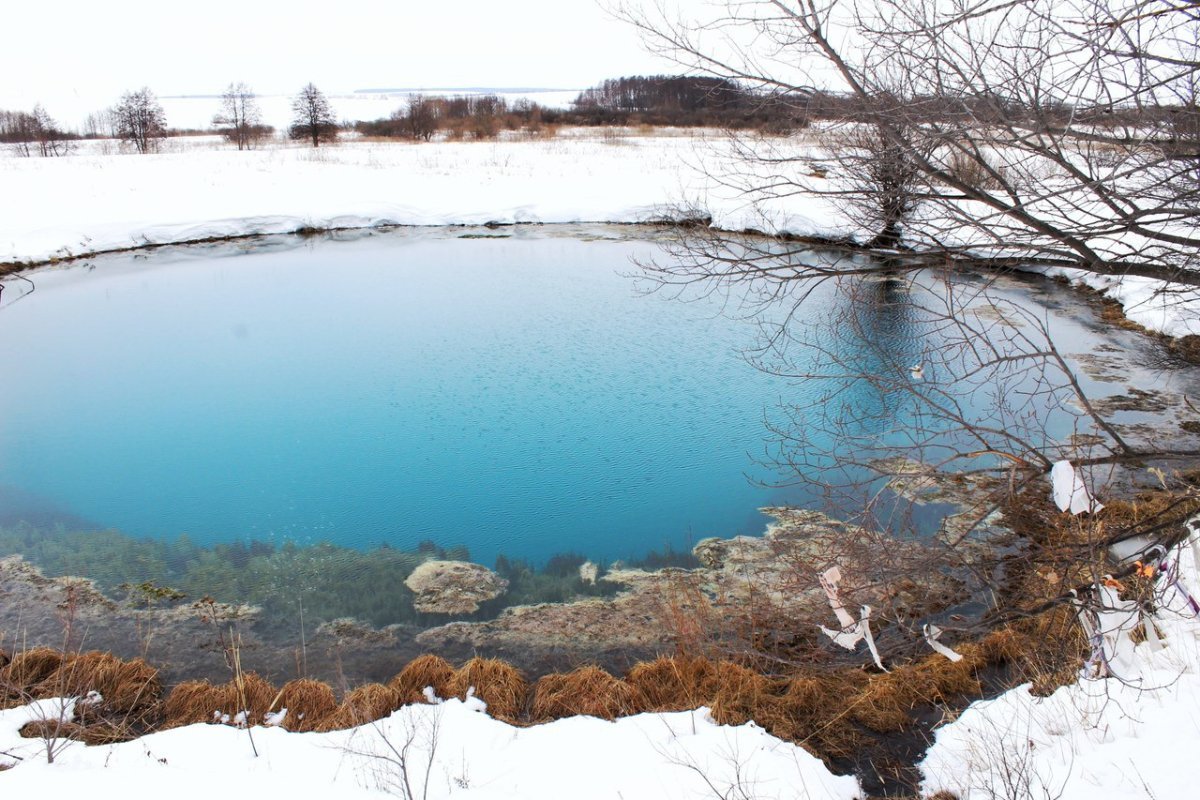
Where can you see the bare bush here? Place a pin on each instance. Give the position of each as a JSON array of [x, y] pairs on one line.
[[139, 120], [240, 119]]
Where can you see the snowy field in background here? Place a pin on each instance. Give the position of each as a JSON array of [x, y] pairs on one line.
[[100, 198]]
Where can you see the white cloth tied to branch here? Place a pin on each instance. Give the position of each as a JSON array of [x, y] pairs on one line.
[[852, 631], [932, 632], [1070, 492]]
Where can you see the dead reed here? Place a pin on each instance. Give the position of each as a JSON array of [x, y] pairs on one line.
[[309, 704], [194, 701], [28, 669], [260, 693], [669, 683], [500, 685], [368, 703], [587, 691], [200, 701], [427, 670], [126, 686]]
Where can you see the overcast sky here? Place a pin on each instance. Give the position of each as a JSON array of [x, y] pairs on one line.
[[77, 50]]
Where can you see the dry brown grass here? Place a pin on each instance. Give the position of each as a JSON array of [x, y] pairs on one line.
[[126, 686], [364, 704], [813, 709], [886, 703], [587, 691], [423, 671], [500, 685], [260, 694], [196, 701], [670, 683], [733, 693], [740, 694], [309, 704], [4, 658], [193, 701], [1004, 646], [97, 732], [29, 669], [94, 733], [677, 683], [1112, 312]]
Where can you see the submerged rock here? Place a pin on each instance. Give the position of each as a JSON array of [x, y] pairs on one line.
[[453, 587], [747, 583]]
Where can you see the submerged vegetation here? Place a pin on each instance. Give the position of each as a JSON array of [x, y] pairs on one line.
[[330, 581]]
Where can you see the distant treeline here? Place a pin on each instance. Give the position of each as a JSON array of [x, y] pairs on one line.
[[652, 100], [661, 100], [694, 101], [34, 131]]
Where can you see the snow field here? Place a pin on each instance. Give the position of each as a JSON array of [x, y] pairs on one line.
[[91, 201], [650, 756]]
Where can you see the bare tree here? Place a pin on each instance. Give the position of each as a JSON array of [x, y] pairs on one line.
[[50, 138], [16, 129], [30, 133], [996, 132], [973, 135], [1074, 117], [313, 118], [139, 119], [100, 124], [422, 116], [240, 118]]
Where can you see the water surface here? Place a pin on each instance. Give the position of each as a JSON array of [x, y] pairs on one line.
[[515, 395]]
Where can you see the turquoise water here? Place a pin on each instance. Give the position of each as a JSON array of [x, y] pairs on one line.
[[518, 395], [514, 395]]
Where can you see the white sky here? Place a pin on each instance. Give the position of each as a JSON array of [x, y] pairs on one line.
[[86, 52]]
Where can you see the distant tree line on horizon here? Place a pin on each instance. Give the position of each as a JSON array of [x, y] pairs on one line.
[[34, 132], [138, 119]]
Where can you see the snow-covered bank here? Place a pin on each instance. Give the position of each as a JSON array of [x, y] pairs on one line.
[[1129, 736], [660, 756], [97, 201]]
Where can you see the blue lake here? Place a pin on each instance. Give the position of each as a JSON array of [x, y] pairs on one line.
[[517, 395], [520, 395]]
